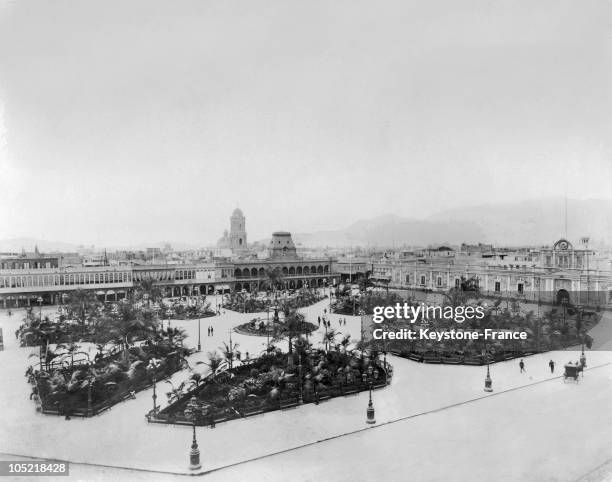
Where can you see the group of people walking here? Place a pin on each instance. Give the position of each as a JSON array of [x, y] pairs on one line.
[[327, 323], [211, 331], [551, 365]]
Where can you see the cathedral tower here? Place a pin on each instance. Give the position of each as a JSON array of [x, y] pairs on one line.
[[238, 235]]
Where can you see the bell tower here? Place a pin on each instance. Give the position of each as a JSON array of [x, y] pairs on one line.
[[238, 235]]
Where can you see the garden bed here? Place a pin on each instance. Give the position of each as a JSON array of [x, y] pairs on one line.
[[259, 327], [86, 390], [275, 381]]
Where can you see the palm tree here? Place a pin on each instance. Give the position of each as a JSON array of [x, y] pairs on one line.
[[175, 393], [128, 322], [229, 352], [329, 337], [214, 362], [294, 326], [274, 276], [346, 340], [147, 289], [84, 306], [71, 349]]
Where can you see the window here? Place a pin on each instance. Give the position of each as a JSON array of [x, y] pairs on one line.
[[520, 288], [439, 281], [497, 286], [407, 279], [457, 283], [422, 280]]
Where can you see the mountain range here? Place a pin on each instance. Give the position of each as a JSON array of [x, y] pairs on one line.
[[531, 222]]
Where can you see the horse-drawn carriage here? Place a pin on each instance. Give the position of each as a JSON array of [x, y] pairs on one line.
[[572, 372]]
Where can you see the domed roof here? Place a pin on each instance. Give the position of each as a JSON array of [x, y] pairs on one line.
[[563, 244], [237, 213]]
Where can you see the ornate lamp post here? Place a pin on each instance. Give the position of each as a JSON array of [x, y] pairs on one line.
[[191, 413], [153, 365], [488, 381], [367, 378]]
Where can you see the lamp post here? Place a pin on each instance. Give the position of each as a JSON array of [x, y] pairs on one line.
[[153, 365], [367, 378], [268, 326], [583, 357], [199, 335], [90, 380], [488, 383], [191, 413], [301, 399]]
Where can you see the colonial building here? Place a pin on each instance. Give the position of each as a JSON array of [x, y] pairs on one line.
[[27, 284], [550, 275], [28, 260]]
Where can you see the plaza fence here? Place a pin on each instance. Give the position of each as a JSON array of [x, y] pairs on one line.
[[456, 359]]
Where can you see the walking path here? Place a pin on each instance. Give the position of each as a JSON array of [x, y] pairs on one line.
[[422, 417]]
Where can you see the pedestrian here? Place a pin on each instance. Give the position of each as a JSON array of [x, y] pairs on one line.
[[212, 331], [319, 321], [551, 364], [522, 366]]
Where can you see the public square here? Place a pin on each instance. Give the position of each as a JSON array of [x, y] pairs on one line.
[[431, 419]]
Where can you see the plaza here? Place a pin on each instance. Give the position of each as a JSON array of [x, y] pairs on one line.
[[431, 418]]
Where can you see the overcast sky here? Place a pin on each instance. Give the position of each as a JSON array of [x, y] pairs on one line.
[[140, 121]]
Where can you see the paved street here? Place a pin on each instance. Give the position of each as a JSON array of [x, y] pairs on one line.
[[411, 411]]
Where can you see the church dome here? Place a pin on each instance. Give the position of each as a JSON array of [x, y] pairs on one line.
[[237, 213]]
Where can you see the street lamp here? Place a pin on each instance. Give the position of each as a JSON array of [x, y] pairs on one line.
[[90, 380], [268, 326], [301, 399], [367, 378], [199, 335], [488, 381], [191, 413], [583, 357], [153, 365]]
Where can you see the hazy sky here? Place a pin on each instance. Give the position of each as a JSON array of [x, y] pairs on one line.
[[139, 121]]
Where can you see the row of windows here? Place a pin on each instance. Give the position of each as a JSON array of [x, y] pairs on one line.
[[64, 279], [254, 272], [165, 275]]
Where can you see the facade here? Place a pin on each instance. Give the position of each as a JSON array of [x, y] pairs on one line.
[[23, 284], [549, 275], [25, 260], [23, 287]]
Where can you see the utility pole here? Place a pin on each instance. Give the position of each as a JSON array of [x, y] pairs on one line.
[[585, 240]]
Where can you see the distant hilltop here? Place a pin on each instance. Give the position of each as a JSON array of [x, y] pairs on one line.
[[533, 222], [524, 223]]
